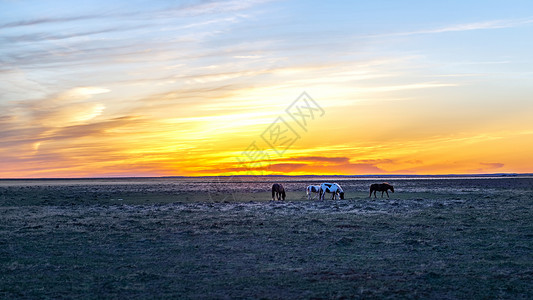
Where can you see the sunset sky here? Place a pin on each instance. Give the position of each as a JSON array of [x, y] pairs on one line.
[[190, 88]]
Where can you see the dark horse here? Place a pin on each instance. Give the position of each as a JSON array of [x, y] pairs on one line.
[[278, 192], [380, 187]]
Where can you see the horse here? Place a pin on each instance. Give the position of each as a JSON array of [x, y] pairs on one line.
[[312, 189], [333, 188], [278, 192], [380, 187]]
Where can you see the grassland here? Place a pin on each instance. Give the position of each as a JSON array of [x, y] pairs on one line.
[[455, 239]]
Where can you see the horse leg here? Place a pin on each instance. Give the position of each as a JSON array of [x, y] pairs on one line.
[[370, 195], [387, 193]]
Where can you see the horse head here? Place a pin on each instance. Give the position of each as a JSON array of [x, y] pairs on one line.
[[340, 191], [388, 186]]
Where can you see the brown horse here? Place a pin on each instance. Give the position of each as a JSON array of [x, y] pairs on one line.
[[380, 187], [278, 192]]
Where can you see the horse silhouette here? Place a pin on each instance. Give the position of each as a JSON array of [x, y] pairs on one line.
[[278, 192], [381, 187]]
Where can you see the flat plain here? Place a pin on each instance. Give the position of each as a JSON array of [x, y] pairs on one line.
[[222, 238]]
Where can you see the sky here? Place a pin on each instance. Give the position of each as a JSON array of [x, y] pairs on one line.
[[195, 88]]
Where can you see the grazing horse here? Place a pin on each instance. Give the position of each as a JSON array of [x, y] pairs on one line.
[[278, 192], [380, 187], [312, 189], [331, 188]]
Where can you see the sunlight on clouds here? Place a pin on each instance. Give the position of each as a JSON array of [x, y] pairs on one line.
[[36, 146], [80, 93], [62, 115], [91, 113]]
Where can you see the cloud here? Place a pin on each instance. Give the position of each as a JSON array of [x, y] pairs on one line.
[[32, 122], [493, 24], [350, 169], [62, 109], [336, 160], [492, 165], [412, 86], [212, 7], [78, 150], [26, 137], [311, 168], [194, 8], [115, 34], [43, 36], [285, 168], [42, 21], [375, 161], [94, 129], [80, 93]]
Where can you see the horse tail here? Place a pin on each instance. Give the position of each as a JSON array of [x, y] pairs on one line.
[[283, 194]]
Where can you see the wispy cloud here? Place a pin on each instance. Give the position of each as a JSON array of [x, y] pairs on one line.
[[411, 86], [495, 24], [485, 25], [210, 7], [337, 160], [194, 8], [493, 165], [41, 21]]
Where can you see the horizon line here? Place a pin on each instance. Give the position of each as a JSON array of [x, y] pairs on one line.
[[273, 175]]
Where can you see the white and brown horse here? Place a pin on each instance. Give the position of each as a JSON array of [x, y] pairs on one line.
[[333, 188], [278, 192], [312, 189], [381, 187]]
